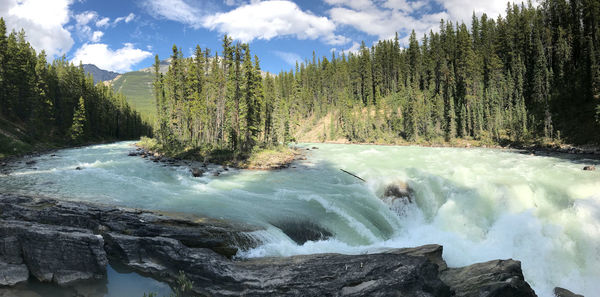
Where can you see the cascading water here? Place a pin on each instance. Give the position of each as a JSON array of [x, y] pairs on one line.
[[481, 204]]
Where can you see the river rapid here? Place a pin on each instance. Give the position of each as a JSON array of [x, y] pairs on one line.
[[480, 204]]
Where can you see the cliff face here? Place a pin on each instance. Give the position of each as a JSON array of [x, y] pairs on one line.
[[99, 74], [68, 242]]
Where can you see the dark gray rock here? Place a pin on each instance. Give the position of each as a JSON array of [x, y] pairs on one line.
[[589, 168], [12, 274], [432, 252], [386, 274], [196, 172], [163, 258], [562, 292], [223, 237], [61, 255], [497, 278], [301, 231], [10, 250], [64, 242], [17, 292], [398, 190]]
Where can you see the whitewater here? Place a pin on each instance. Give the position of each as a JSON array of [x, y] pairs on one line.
[[480, 204]]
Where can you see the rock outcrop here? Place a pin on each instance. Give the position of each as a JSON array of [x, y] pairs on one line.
[[561, 292], [302, 231], [222, 237], [61, 255], [64, 242], [398, 190], [197, 172], [494, 279]]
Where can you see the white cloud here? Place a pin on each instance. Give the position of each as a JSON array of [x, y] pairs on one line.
[[290, 58], [96, 36], [383, 18], [175, 10], [85, 18], [354, 4], [44, 23], [269, 19], [234, 2], [125, 19], [120, 60], [103, 22], [354, 48], [462, 10], [81, 24], [384, 23], [404, 5]]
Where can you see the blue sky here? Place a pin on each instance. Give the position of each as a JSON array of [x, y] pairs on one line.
[[125, 35]]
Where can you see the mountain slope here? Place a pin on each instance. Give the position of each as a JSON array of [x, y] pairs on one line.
[[99, 74], [137, 88]]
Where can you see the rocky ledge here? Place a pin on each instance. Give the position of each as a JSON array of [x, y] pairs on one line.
[[67, 242]]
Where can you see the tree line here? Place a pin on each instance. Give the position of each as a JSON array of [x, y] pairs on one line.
[[531, 76], [56, 102]]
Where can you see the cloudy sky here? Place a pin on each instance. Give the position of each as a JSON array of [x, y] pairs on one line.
[[124, 35]]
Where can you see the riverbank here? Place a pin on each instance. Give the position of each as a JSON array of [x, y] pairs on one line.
[[535, 148], [267, 158], [162, 246]]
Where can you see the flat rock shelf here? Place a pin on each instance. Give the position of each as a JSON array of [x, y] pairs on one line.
[[67, 243]]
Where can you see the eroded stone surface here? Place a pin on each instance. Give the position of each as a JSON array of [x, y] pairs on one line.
[[64, 242]]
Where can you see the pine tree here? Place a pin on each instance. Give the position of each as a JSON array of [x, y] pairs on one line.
[[77, 131]]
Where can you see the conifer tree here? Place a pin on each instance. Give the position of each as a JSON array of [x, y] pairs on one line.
[[77, 130]]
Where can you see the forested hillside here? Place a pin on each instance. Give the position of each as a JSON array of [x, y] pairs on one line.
[[530, 77], [55, 103]]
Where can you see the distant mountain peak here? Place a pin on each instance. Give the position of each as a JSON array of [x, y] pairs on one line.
[[99, 74]]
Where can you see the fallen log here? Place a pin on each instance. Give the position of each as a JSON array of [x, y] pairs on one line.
[[353, 175]]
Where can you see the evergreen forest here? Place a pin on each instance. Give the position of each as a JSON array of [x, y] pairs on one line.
[[532, 76], [56, 103]]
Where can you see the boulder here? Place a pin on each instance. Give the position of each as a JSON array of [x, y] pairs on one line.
[[62, 255], [398, 190], [12, 274], [301, 231], [385, 274], [432, 252], [196, 172], [132, 154], [497, 278], [562, 292], [219, 236], [589, 168]]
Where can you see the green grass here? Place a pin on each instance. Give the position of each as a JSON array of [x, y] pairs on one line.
[[137, 88], [13, 139], [271, 157]]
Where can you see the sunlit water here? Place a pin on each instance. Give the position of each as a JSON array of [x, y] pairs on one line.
[[480, 204]]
